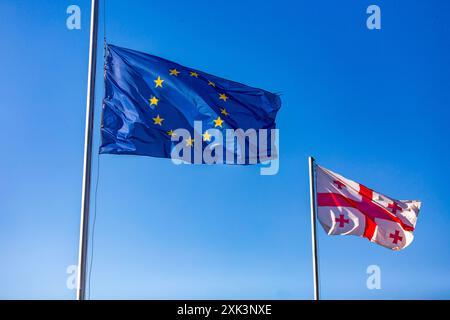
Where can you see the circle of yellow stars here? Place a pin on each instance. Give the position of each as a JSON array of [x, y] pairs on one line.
[[158, 120]]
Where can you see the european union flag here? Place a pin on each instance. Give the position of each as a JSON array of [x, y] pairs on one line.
[[151, 105]]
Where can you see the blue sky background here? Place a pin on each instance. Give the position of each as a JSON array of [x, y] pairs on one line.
[[371, 105]]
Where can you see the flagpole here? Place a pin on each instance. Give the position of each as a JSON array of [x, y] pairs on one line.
[[312, 191], [86, 190]]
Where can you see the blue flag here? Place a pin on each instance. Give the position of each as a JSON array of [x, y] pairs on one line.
[[158, 108]]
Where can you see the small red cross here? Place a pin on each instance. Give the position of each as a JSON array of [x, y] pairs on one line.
[[395, 207], [338, 184], [341, 221], [396, 237]]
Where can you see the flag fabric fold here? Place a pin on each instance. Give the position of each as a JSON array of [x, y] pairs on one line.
[[345, 207]]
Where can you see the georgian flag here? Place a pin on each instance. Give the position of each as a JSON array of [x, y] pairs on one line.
[[346, 207]]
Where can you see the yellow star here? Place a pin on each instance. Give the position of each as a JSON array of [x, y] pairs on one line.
[[218, 122], [174, 72], [224, 112], [194, 74], [206, 136], [171, 133], [158, 82], [190, 142], [158, 120], [210, 83], [154, 101], [223, 97]]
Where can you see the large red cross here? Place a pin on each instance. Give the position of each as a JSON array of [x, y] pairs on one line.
[[395, 237], [366, 206], [341, 221]]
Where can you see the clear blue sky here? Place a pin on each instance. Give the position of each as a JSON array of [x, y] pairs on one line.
[[371, 105]]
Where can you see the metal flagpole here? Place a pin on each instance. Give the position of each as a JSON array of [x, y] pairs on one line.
[[312, 190], [86, 191]]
